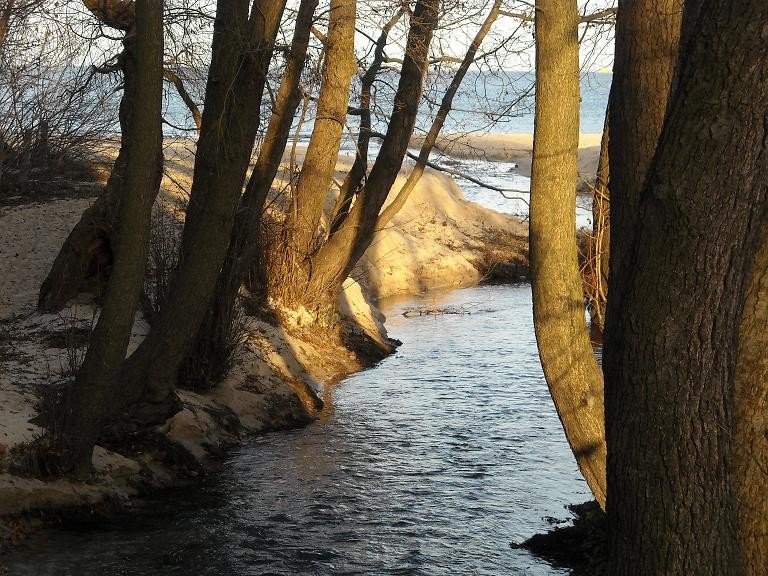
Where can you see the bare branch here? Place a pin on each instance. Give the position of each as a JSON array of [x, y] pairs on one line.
[[174, 79]]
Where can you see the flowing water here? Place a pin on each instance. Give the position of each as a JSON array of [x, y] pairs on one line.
[[431, 463]]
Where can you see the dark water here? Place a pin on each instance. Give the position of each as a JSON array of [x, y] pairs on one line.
[[429, 464]]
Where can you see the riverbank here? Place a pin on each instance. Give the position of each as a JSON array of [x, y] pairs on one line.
[[280, 373], [432, 462]]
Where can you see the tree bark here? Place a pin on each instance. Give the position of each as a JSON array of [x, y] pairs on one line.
[[671, 359], [86, 403], [6, 13], [336, 258], [570, 368], [208, 359], [751, 405], [241, 52], [647, 37]]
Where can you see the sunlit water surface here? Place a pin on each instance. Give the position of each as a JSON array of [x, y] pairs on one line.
[[433, 462]]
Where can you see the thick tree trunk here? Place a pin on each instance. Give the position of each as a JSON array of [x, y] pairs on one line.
[[751, 404], [336, 258], [570, 368], [241, 51], [208, 360], [87, 402], [671, 357], [647, 37]]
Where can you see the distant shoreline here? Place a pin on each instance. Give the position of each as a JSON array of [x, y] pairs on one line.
[[517, 147]]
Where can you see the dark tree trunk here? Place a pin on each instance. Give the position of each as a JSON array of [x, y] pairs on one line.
[[241, 51], [87, 403], [647, 37], [671, 357], [212, 350], [570, 368], [85, 259]]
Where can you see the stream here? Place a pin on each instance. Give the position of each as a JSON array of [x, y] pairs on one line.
[[431, 463]]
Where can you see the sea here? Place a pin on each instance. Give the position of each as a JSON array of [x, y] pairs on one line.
[[497, 103]]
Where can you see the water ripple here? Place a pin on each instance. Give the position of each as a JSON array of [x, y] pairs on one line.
[[430, 464]]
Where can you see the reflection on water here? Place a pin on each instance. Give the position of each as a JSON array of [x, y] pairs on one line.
[[431, 463]]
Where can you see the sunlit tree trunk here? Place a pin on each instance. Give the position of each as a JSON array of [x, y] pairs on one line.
[[671, 359], [354, 177], [336, 258], [570, 368], [323, 149]]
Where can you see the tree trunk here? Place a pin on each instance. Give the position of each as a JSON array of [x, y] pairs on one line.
[[212, 350], [86, 403], [323, 150], [6, 13], [751, 405], [86, 258], [336, 258], [241, 52], [354, 177], [647, 37], [671, 357], [442, 114], [570, 368]]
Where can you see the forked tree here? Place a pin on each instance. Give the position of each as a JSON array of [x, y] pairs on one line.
[[672, 352]]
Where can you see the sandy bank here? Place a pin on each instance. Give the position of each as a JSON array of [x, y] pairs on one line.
[[438, 240], [514, 148]]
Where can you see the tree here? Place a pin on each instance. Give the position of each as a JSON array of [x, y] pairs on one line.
[[209, 358], [86, 403], [242, 48], [570, 368], [671, 355], [85, 258], [319, 268]]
